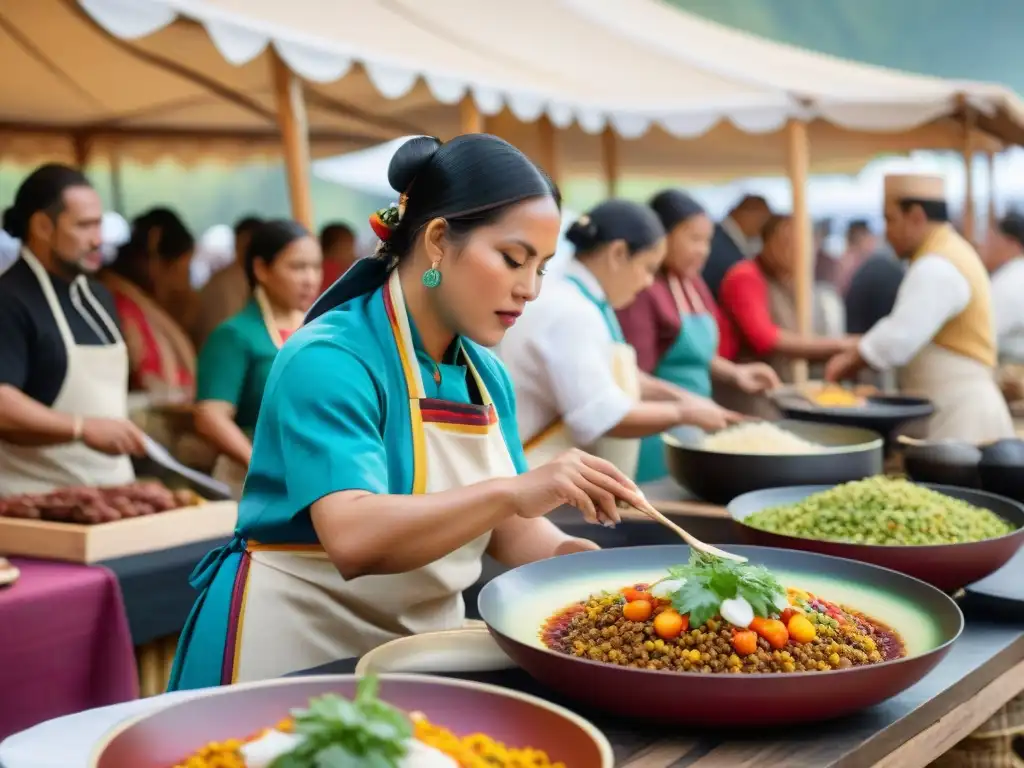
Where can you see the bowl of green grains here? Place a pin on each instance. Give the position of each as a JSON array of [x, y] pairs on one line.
[[949, 537]]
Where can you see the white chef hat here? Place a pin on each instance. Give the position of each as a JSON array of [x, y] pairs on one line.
[[115, 232]]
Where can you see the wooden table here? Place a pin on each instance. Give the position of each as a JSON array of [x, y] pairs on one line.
[[984, 670]]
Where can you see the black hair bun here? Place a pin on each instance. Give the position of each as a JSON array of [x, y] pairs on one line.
[[582, 233], [409, 160]]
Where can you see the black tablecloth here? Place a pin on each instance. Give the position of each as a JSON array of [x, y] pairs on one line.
[[157, 595]]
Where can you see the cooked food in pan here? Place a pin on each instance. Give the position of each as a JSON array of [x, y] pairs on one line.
[[882, 510], [836, 396], [363, 733], [719, 616], [759, 437]]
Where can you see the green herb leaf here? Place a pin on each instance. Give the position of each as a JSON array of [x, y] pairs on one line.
[[696, 599], [338, 733], [709, 580]]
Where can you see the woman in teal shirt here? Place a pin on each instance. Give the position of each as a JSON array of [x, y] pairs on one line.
[[283, 264], [386, 459], [673, 325]]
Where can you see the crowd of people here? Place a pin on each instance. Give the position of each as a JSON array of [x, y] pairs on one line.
[[335, 392]]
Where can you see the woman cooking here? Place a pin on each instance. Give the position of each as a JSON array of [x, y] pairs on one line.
[[757, 298], [282, 263], [576, 378], [673, 325], [386, 460]]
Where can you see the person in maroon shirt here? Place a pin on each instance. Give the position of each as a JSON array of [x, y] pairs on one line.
[[757, 303], [674, 325]]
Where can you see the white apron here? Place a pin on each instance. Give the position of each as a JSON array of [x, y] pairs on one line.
[[555, 439], [968, 403], [298, 612], [95, 386], [225, 469]]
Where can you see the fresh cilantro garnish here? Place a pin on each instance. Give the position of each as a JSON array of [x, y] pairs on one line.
[[338, 733], [708, 580]]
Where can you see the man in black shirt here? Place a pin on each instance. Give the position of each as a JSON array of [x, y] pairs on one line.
[[63, 363]]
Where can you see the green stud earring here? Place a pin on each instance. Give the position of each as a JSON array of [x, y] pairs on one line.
[[432, 277]]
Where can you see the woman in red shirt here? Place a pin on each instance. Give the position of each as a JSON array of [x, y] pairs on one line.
[[674, 325], [761, 319]]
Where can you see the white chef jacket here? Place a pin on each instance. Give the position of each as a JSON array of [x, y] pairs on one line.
[[1008, 308], [559, 357], [932, 293]]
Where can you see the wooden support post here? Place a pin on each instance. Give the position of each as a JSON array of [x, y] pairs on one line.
[[116, 182], [798, 160], [968, 153], [610, 160], [470, 119], [83, 149], [549, 159], [291, 120], [993, 214]]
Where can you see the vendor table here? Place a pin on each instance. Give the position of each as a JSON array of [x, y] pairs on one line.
[[64, 643], [984, 670]]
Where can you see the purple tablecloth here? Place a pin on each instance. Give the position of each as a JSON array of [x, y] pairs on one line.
[[64, 644]]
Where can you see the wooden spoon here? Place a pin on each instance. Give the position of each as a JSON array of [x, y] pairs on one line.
[[647, 509]]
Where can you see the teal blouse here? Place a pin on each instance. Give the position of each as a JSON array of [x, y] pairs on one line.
[[235, 362], [335, 417]]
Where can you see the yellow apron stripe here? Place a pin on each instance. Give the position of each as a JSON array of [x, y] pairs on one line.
[[543, 435], [240, 625], [419, 448]]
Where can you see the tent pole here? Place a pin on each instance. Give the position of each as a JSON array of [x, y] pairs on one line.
[[549, 148], [83, 149], [968, 155], [470, 119], [291, 120], [992, 213], [798, 161], [116, 182], [610, 160]]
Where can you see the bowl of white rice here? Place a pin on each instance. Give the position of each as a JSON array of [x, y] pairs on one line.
[[754, 455]]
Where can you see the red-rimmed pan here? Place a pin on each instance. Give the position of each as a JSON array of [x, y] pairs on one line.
[[516, 604], [946, 566], [164, 738]]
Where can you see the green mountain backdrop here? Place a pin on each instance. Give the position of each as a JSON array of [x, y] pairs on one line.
[[945, 38]]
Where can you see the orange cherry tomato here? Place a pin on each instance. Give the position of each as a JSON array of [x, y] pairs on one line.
[[632, 594], [801, 629], [669, 624], [637, 610], [744, 641], [772, 630]]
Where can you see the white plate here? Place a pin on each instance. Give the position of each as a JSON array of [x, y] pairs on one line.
[[452, 651]]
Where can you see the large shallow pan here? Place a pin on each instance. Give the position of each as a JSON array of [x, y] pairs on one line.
[[881, 413], [946, 566], [515, 605], [163, 738], [852, 454]]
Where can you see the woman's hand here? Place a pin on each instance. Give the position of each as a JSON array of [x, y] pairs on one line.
[[591, 484], [708, 415], [754, 378]]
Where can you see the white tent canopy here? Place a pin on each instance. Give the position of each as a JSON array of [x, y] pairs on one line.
[[191, 78]]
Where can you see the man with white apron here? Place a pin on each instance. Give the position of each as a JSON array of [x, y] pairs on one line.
[[63, 363], [940, 335]]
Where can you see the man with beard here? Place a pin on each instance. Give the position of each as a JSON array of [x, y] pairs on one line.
[[63, 362]]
